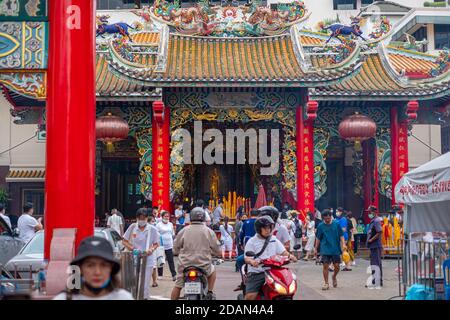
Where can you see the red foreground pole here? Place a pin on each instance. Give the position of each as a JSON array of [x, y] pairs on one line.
[[70, 154]]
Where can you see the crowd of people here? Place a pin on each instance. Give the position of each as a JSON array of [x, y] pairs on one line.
[[327, 237]]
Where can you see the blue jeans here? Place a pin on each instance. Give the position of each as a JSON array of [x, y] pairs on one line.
[[240, 261]]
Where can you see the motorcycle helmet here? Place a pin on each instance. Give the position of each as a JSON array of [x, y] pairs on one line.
[[197, 214], [269, 211], [263, 221]]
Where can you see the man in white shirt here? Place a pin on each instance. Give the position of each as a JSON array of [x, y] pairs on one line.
[[264, 226], [28, 225], [4, 216], [115, 222]]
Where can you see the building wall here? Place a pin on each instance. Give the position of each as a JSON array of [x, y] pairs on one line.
[[30, 154], [420, 153]]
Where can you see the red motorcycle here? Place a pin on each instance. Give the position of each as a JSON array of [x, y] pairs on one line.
[[281, 283]]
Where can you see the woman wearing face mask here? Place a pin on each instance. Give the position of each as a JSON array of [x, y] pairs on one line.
[[99, 273], [167, 232], [144, 237]]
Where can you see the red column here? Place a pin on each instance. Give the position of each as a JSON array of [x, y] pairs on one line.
[[399, 142], [305, 156], [368, 174], [161, 155], [370, 181], [395, 126], [70, 153]]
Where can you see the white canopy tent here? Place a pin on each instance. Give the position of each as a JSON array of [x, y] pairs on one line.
[[426, 193]]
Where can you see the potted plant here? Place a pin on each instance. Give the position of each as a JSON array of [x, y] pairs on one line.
[[4, 197]]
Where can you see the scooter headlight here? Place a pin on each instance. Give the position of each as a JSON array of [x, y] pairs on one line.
[[280, 289], [292, 287]]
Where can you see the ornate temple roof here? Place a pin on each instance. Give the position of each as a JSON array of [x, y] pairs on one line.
[[237, 47], [199, 61], [376, 79]]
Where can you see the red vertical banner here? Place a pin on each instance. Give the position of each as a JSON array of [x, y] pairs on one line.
[[161, 156], [399, 142], [305, 157], [70, 145], [395, 127]]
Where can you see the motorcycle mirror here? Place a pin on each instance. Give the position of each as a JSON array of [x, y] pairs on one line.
[[297, 247], [249, 254]]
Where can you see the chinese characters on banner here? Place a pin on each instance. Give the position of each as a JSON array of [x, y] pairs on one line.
[[305, 164], [402, 149], [160, 156]]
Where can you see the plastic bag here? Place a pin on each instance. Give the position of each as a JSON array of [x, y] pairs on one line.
[[160, 257], [419, 292]]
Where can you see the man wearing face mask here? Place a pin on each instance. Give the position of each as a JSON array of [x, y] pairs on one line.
[[343, 223], [375, 246], [165, 229], [143, 237]]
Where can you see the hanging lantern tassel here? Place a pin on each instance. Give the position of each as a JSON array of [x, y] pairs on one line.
[[358, 146], [109, 147]]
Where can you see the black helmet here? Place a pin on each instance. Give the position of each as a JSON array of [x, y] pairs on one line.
[[263, 221], [269, 211], [197, 214], [99, 248]]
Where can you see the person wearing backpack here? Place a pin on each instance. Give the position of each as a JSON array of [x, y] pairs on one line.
[[298, 230], [311, 235], [226, 237]]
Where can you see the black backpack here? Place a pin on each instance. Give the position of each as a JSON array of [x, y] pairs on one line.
[[298, 229]]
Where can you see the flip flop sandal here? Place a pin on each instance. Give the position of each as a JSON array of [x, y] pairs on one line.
[[326, 286], [154, 285], [334, 283]]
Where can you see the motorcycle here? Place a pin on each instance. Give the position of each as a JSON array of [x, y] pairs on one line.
[[280, 282], [195, 284]]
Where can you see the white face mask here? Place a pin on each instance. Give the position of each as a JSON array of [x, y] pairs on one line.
[[165, 220], [371, 215], [142, 223], [338, 214]]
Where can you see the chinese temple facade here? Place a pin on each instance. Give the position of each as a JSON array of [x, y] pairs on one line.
[[245, 67]]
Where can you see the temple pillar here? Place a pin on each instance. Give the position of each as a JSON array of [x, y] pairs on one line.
[[370, 170], [305, 117], [399, 142], [70, 145], [161, 155]]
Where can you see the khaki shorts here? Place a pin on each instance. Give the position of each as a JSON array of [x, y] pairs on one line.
[[180, 280]]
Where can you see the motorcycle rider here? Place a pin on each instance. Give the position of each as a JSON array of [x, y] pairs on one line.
[[264, 245], [195, 245], [280, 231]]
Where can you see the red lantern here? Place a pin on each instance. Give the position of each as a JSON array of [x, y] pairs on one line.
[[110, 129], [357, 128]]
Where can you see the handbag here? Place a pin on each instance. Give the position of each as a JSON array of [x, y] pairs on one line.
[[160, 257]]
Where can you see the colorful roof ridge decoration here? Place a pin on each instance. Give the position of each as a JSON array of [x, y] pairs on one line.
[[229, 21], [375, 80], [199, 60], [109, 84]]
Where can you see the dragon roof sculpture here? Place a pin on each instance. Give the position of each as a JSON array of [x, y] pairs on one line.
[[229, 21]]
